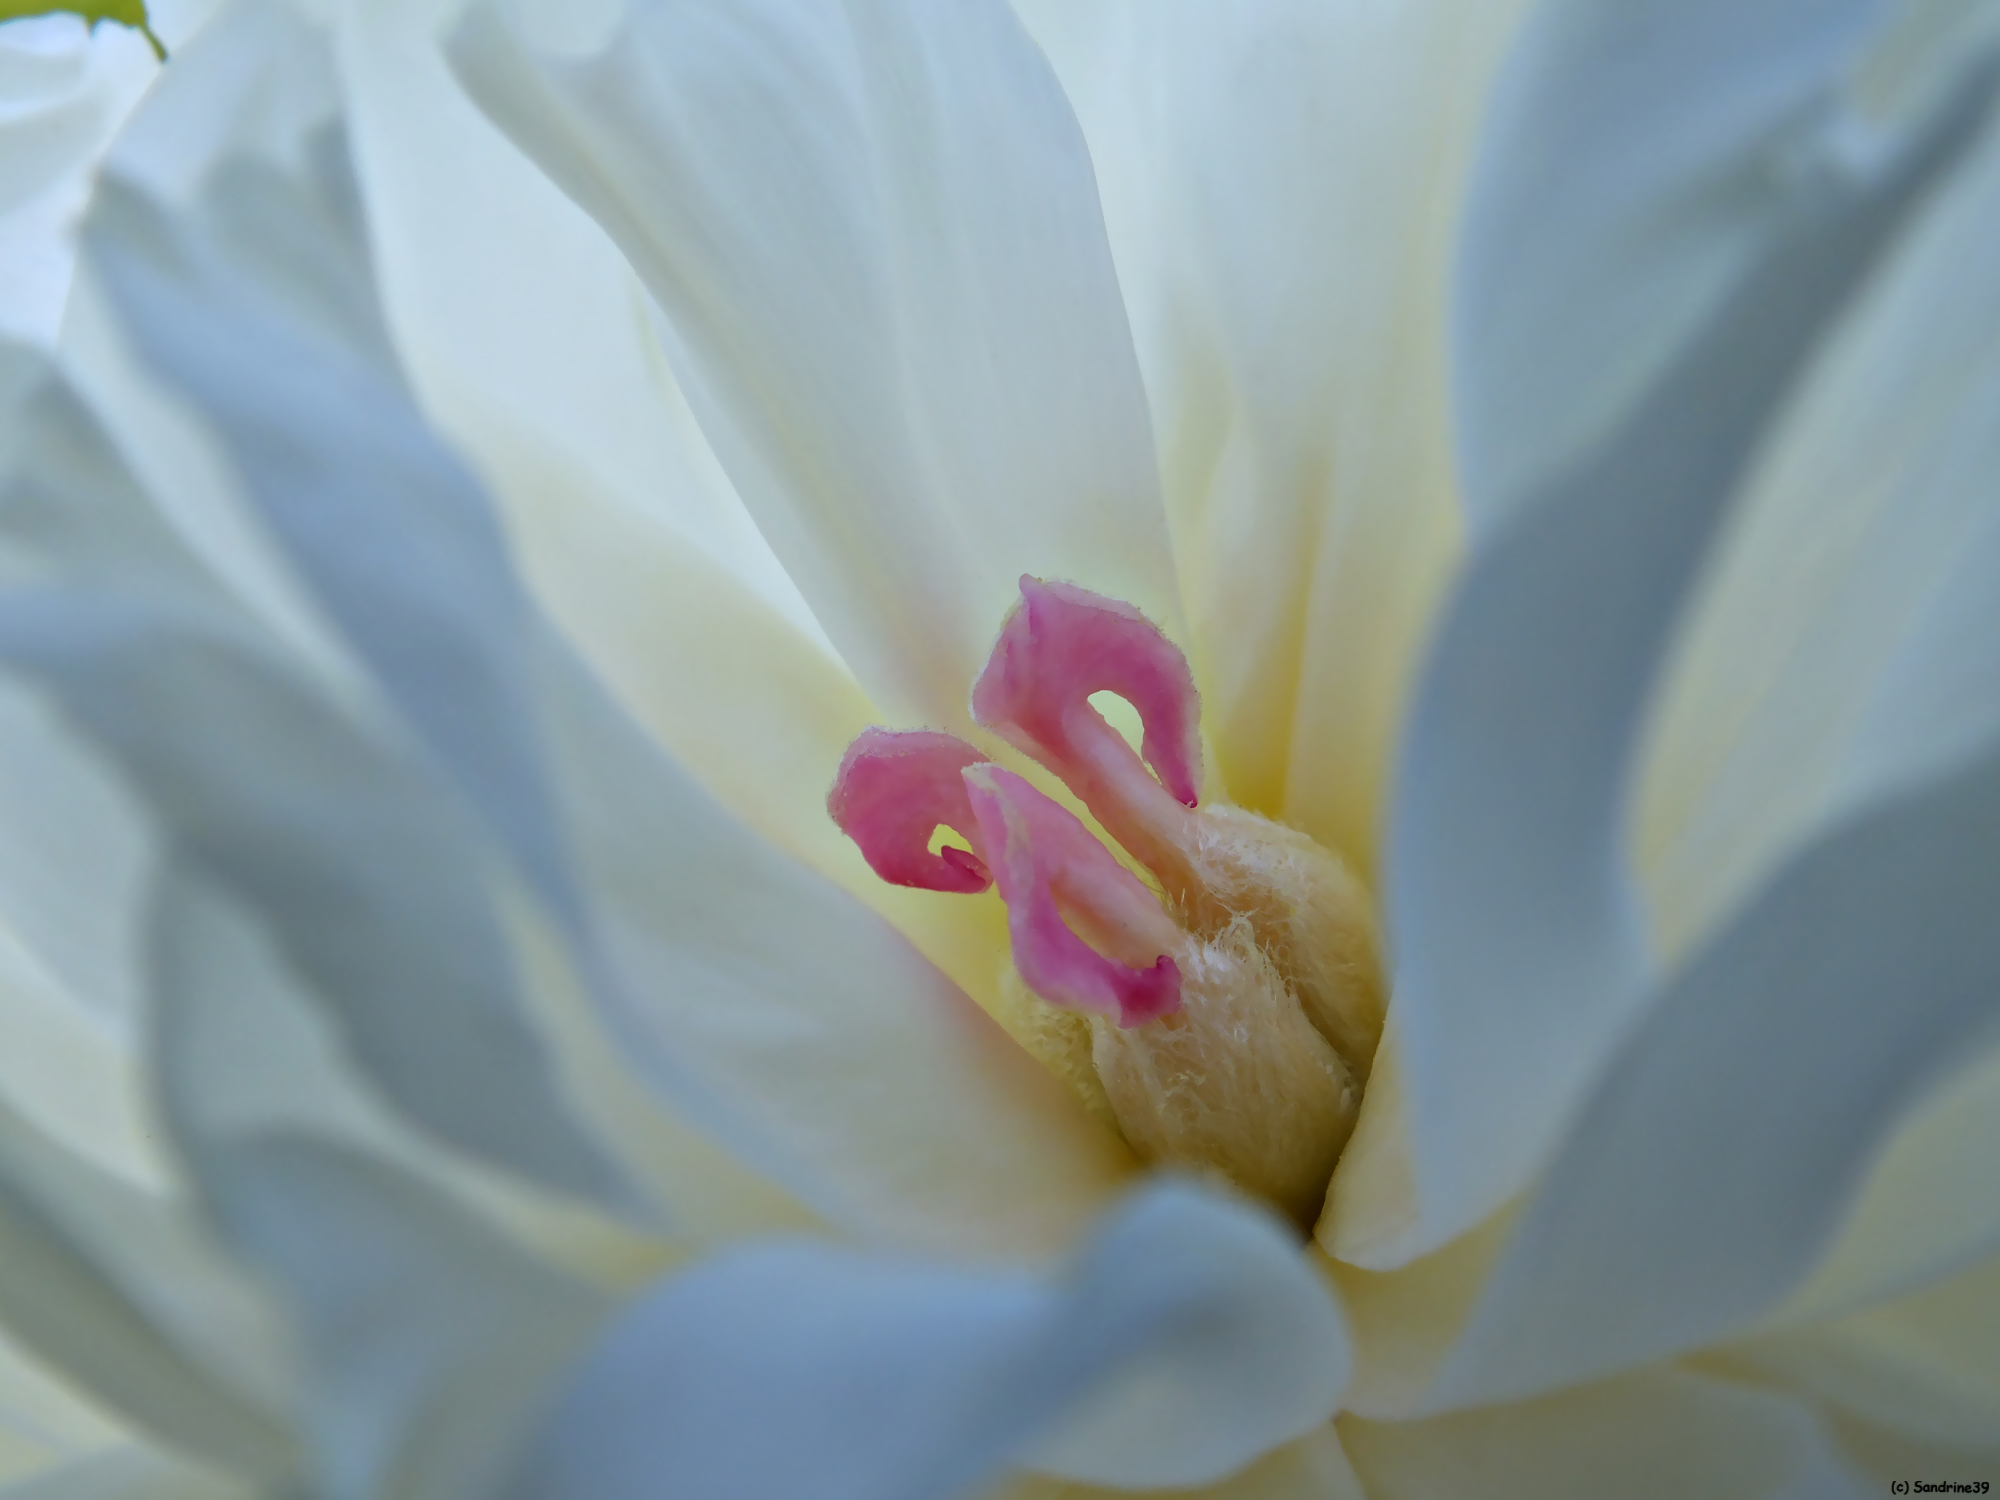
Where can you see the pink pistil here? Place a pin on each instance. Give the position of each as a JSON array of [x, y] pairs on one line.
[[1059, 645], [893, 790], [1050, 867]]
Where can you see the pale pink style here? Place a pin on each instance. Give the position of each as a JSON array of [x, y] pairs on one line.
[[1050, 868]]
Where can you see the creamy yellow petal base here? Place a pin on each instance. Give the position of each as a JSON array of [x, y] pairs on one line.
[[1926, 1367], [1930, 1206], [1372, 1201], [753, 709], [1404, 1322]]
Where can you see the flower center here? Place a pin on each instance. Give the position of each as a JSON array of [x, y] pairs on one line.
[[1222, 1015]]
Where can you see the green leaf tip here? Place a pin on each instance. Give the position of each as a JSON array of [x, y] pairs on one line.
[[125, 12]]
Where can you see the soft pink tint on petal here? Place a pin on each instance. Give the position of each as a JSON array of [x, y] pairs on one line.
[[893, 790], [1045, 861]]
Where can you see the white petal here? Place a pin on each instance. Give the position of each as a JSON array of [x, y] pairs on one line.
[[175, 22], [1184, 1341], [149, 1249], [351, 857], [1281, 181], [74, 1243], [874, 231], [1406, 1322], [1940, 1171], [1715, 1158], [266, 81], [753, 711], [242, 1049], [427, 1334], [803, 1029], [185, 473], [72, 862], [1927, 1367], [43, 1419], [1844, 643], [64, 88], [1938, 703], [1521, 956], [128, 1473], [304, 811], [770, 1010], [429, 1340], [1660, 1435], [1313, 1468], [518, 320], [1685, 133], [1888, 1456], [531, 343]]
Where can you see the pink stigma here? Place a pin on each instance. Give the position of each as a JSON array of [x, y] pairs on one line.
[[893, 790], [1059, 645], [1087, 933], [1048, 866]]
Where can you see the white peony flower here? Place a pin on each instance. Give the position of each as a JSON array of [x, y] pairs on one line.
[[505, 462]]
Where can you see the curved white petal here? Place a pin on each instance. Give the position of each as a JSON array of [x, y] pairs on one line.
[[242, 1048], [129, 1473], [531, 343], [1887, 1456], [1313, 1468], [801, 1028], [1406, 1322], [874, 233], [518, 320], [64, 88], [44, 1420], [348, 855], [73, 859], [1844, 642], [1684, 134], [175, 22], [70, 1078], [747, 705], [1186, 1339], [1281, 182], [1521, 957], [78, 1247], [429, 1340], [428, 1326], [150, 1250], [183, 470], [1926, 1367], [1930, 1207], [1715, 1158], [771, 1010], [223, 734], [1660, 1435]]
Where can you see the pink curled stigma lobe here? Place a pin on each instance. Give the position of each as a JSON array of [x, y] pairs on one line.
[[893, 790], [1049, 868]]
